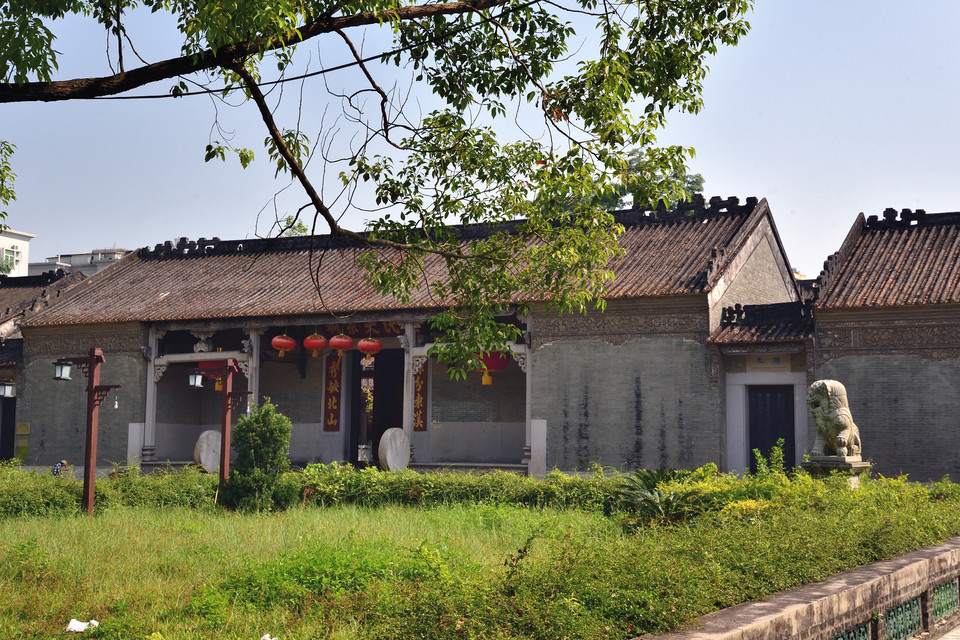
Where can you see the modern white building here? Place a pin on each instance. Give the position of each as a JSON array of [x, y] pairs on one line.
[[16, 251], [87, 263]]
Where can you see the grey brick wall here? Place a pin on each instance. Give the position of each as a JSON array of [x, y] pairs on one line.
[[907, 409], [56, 410], [469, 422], [758, 282], [300, 399], [469, 401], [179, 405], [645, 403]]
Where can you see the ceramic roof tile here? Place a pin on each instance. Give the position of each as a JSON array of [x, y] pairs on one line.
[[910, 260], [20, 293], [666, 253], [780, 322]]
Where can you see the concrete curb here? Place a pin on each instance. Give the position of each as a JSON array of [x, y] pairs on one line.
[[822, 610]]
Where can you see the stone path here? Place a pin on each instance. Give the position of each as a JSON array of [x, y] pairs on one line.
[[953, 635]]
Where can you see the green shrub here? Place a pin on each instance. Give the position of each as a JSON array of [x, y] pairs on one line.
[[288, 490], [24, 493], [943, 489], [185, 487], [262, 441], [338, 483]]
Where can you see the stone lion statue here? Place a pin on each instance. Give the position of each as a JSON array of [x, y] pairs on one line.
[[837, 435]]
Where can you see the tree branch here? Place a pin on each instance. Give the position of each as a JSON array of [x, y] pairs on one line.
[[86, 88], [335, 229], [258, 98]]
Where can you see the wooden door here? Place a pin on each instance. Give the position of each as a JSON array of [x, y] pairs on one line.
[[770, 413]]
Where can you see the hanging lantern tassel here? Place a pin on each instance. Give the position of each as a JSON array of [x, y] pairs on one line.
[[283, 343], [315, 343], [341, 343], [369, 347], [493, 361]]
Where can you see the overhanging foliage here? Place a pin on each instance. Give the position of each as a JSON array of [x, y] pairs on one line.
[[534, 107]]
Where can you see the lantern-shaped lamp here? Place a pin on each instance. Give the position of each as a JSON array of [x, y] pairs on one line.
[[6, 389], [283, 343], [61, 370], [341, 343], [315, 343], [369, 347], [493, 361], [195, 379]]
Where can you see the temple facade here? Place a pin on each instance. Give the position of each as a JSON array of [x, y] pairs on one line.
[[704, 353], [639, 385]]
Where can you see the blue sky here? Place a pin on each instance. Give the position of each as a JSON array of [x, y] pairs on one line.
[[827, 108]]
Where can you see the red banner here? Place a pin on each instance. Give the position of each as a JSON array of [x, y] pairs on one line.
[[420, 399], [331, 400]]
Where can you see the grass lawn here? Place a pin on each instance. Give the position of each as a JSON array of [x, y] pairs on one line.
[[302, 573], [446, 571]]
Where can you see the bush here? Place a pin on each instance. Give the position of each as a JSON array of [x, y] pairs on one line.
[[186, 487], [262, 441], [37, 494], [337, 483], [945, 490]]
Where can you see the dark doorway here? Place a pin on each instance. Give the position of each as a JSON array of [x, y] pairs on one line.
[[770, 417], [8, 427], [384, 380]]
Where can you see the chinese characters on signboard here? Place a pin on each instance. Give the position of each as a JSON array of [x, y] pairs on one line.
[[331, 404]]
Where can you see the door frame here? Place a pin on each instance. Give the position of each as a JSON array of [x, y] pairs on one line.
[[738, 429]]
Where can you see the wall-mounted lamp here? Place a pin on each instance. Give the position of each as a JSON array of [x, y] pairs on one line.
[[195, 379], [61, 370], [6, 389], [89, 365]]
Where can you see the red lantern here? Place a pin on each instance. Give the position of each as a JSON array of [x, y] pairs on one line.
[[341, 343], [369, 347], [283, 343], [316, 343], [493, 361]]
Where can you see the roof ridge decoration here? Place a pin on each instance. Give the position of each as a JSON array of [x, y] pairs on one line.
[[715, 263], [697, 207], [759, 315], [908, 218], [186, 248], [41, 280]]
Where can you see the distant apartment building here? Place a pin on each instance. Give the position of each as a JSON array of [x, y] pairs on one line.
[[16, 251], [87, 263]]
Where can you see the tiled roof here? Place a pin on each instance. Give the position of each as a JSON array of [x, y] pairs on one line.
[[910, 260], [780, 322], [19, 294], [679, 252]]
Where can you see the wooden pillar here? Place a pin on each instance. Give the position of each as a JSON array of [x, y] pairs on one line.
[[226, 416], [93, 416]]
